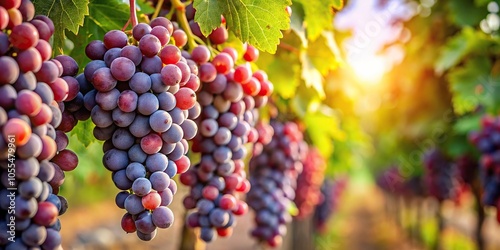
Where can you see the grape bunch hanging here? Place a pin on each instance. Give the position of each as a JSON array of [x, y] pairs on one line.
[[33, 154], [308, 191], [140, 106], [331, 192], [230, 97], [441, 176], [273, 175], [487, 141]]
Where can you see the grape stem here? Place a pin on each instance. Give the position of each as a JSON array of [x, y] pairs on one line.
[[133, 13], [180, 10], [126, 25], [157, 9], [288, 47]]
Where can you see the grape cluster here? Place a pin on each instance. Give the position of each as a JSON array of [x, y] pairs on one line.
[[393, 182], [467, 168], [71, 104], [73, 108], [441, 176], [230, 98], [31, 87], [142, 105], [390, 180], [308, 194], [331, 193], [273, 175], [487, 141]]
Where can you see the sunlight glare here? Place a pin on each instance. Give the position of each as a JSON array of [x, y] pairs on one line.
[[369, 69]]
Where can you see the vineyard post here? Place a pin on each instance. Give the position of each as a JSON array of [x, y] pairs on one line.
[[438, 243], [418, 224], [302, 237], [480, 216]]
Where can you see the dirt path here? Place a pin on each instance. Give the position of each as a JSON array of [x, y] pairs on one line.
[[361, 223]]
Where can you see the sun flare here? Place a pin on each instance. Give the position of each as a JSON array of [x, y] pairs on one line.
[[369, 69]]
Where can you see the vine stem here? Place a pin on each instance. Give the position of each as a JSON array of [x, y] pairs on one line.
[[288, 47], [157, 9], [133, 13], [126, 25], [180, 10]]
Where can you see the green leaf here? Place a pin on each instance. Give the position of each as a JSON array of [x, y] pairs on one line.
[[459, 46], [311, 75], [105, 15], [467, 123], [323, 136], [297, 23], [208, 14], [458, 145], [306, 100], [283, 70], [83, 131], [258, 22], [481, 2], [324, 53], [145, 7], [66, 15], [318, 16], [469, 85], [466, 13]]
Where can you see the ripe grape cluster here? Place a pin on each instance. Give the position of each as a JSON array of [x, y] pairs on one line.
[[441, 176], [273, 175], [31, 153], [142, 104], [71, 101], [308, 194], [487, 141], [393, 182], [390, 180], [230, 98], [331, 192], [467, 167], [73, 108]]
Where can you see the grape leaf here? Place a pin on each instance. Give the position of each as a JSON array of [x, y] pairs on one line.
[[258, 22], [83, 131], [66, 15], [323, 136], [305, 101], [481, 2], [324, 53], [466, 13], [297, 23], [318, 16], [467, 123], [285, 74], [459, 46], [470, 86], [145, 7], [284, 66], [311, 75], [208, 14], [105, 15]]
